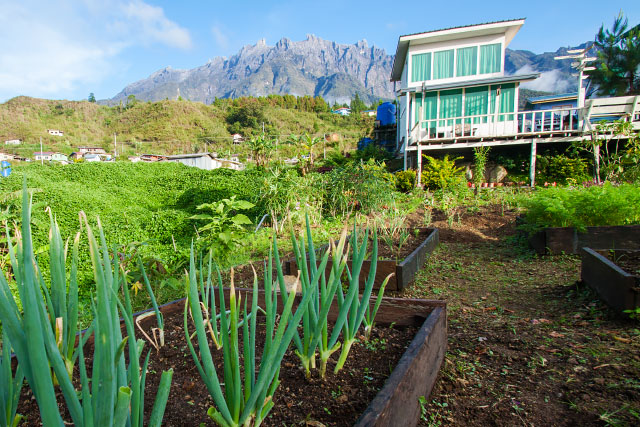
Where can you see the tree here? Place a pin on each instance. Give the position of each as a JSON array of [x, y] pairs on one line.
[[357, 105], [92, 97], [616, 70], [305, 144]]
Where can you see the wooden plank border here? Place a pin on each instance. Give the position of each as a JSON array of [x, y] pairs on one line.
[[619, 289], [567, 240]]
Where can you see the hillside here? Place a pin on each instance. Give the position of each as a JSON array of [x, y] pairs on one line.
[[168, 127]]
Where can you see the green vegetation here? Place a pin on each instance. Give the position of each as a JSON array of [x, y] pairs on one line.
[[582, 207], [441, 173], [170, 127], [43, 337]]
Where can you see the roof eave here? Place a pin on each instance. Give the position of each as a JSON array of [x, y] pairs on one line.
[[479, 82]]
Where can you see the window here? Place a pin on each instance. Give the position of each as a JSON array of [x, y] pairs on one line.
[[429, 106], [507, 101], [467, 61], [490, 58], [450, 105], [476, 102], [443, 64], [421, 67]]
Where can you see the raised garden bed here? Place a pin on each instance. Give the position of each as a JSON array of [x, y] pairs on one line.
[[615, 275], [568, 240], [412, 257], [409, 334]]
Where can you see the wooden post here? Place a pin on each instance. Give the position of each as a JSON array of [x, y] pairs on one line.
[[419, 172], [532, 166], [596, 158]]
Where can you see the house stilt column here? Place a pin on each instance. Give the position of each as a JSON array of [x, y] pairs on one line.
[[532, 164], [419, 171]]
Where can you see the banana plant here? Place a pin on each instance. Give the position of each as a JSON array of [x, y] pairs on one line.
[[247, 397], [10, 387]]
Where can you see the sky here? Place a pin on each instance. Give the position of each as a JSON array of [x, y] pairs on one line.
[[67, 49]]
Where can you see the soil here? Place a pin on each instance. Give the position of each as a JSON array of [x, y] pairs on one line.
[[336, 401], [629, 261], [402, 245], [529, 344]]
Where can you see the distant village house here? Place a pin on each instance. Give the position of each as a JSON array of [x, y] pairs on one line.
[[6, 156], [55, 132], [13, 142], [237, 138], [206, 161], [42, 155], [91, 150], [343, 111]]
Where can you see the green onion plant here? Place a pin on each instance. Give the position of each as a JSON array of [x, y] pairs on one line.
[[246, 398], [112, 396], [10, 387]]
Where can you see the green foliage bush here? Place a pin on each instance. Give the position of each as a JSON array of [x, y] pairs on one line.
[[582, 207], [356, 186], [405, 180], [561, 168], [441, 174]]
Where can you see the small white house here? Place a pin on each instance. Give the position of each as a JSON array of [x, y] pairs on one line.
[[92, 158], [206, 161], [6, 156], [55, 132], [343, 111], [237, 138], [13, 142], [43, 155]]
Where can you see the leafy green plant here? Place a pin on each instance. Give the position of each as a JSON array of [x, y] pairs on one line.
[[561, 169], [114, 394], [583, 207], [10, 387], [224, 227], [480, 156], [441, 174], [247, 397], [315, 333], [405, 180]]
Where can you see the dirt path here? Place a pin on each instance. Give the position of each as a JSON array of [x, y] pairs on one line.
[[528, 344]]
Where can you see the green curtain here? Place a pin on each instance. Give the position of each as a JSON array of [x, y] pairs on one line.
[[467, 61], [421, 67], [490, 58], [443, 64], [476, 101], [429, 104], [507, 101], [450, 105]]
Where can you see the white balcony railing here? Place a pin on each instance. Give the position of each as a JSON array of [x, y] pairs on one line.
[[521, 123]]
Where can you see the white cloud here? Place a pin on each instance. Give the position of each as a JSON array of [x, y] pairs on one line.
[[52, 50], [151, 25], [549, 81], [220, 36]]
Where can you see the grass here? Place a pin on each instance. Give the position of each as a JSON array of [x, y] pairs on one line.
[[525, 338]]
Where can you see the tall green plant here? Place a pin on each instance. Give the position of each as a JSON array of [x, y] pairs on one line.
[[247, 398], [109, 397], [10, 387], [480, 157], [315, 330], [441, 174]]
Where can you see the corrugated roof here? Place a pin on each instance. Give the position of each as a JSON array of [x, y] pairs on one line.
[[554, 97], [463, 26]]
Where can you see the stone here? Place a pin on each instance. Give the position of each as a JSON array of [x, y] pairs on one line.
[[496, 174]]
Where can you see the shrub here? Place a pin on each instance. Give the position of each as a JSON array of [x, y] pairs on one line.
[[441, 174], [356, 186], [405, 180], [583, 207], [561, 168]]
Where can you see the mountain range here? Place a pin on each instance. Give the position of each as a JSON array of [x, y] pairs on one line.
[[316, 67]]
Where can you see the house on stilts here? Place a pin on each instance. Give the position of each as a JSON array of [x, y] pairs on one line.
[[454, 94]]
